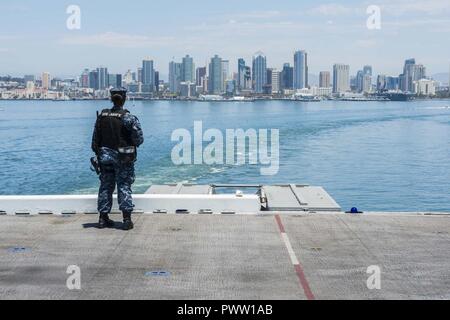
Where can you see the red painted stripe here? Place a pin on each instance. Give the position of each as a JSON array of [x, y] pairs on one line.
[[298, 268], [304, 282], [280, 224]]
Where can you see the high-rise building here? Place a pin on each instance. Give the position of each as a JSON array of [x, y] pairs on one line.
[[84, 79], [341, 78], [300, 70], [148, 76], [381, 82], [225, 73], [157, 81], [115, 80], [139, 75], [360, 81], [102, 78], [93, 80], [368, 70], [200, 75], [46, 81], [241, 74], [324, 79], [411, 72], [128, 77], [259, 72], [267, 88], [287, 77], [188, 69], [367, 83], [215, 84], [276, 81], [174, 77], [392, 83]]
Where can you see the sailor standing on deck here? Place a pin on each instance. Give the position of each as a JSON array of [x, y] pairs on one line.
[[117, 135]]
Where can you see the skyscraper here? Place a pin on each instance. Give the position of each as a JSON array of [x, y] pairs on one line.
[[324, 79], [84, 79], [276, 79], [102, 78], [93, 80], [148, 76], [341, 78], [188, 69], [241, 74], [215, 83], [157, 81], [259, 72], [200, 75], [367, 70], [381, 82], [174, 76], [46, 81], [287, 77], [225, 73], [360, 81], [300, 70]]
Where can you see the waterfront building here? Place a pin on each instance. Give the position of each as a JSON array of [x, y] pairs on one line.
[[187, 89], [46, 81], [225, 73], [102, 78], [324, 79], [411, 72], [381, 82], [259, 72], [128, 77], [300, 70], [241, 74], [276, 81], [174, 77], [341, 78], [188, 69], [93, 80], [215, 79], [287, 77], [84, 79], [148, 76], [425, 87], [200, 75]]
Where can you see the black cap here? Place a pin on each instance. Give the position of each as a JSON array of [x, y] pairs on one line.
[[121, 91]]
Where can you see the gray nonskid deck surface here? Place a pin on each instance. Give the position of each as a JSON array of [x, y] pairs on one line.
[[226, 257]]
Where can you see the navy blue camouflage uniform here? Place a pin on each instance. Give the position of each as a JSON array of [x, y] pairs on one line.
[[113, 169]]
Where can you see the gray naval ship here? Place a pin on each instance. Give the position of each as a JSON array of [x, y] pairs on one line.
[[229, 242]]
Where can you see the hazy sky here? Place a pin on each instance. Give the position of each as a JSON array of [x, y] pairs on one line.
[[119, 34]]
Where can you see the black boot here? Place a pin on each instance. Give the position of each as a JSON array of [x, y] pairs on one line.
[[127, 223], [105, 222]]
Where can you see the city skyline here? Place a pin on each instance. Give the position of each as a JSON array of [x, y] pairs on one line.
[[331, 32]]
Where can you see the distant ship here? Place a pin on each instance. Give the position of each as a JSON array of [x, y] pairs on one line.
[[398, 96]]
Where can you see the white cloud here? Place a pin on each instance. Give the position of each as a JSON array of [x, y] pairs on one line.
[[332, 9], [112, 39], [257, 15], [404, 7]]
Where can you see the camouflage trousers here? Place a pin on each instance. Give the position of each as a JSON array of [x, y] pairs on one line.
[[123, 176]]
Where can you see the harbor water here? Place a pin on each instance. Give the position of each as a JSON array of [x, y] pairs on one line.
[[377, 156]]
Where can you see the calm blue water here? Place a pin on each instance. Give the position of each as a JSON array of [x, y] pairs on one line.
[[377, 156]]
